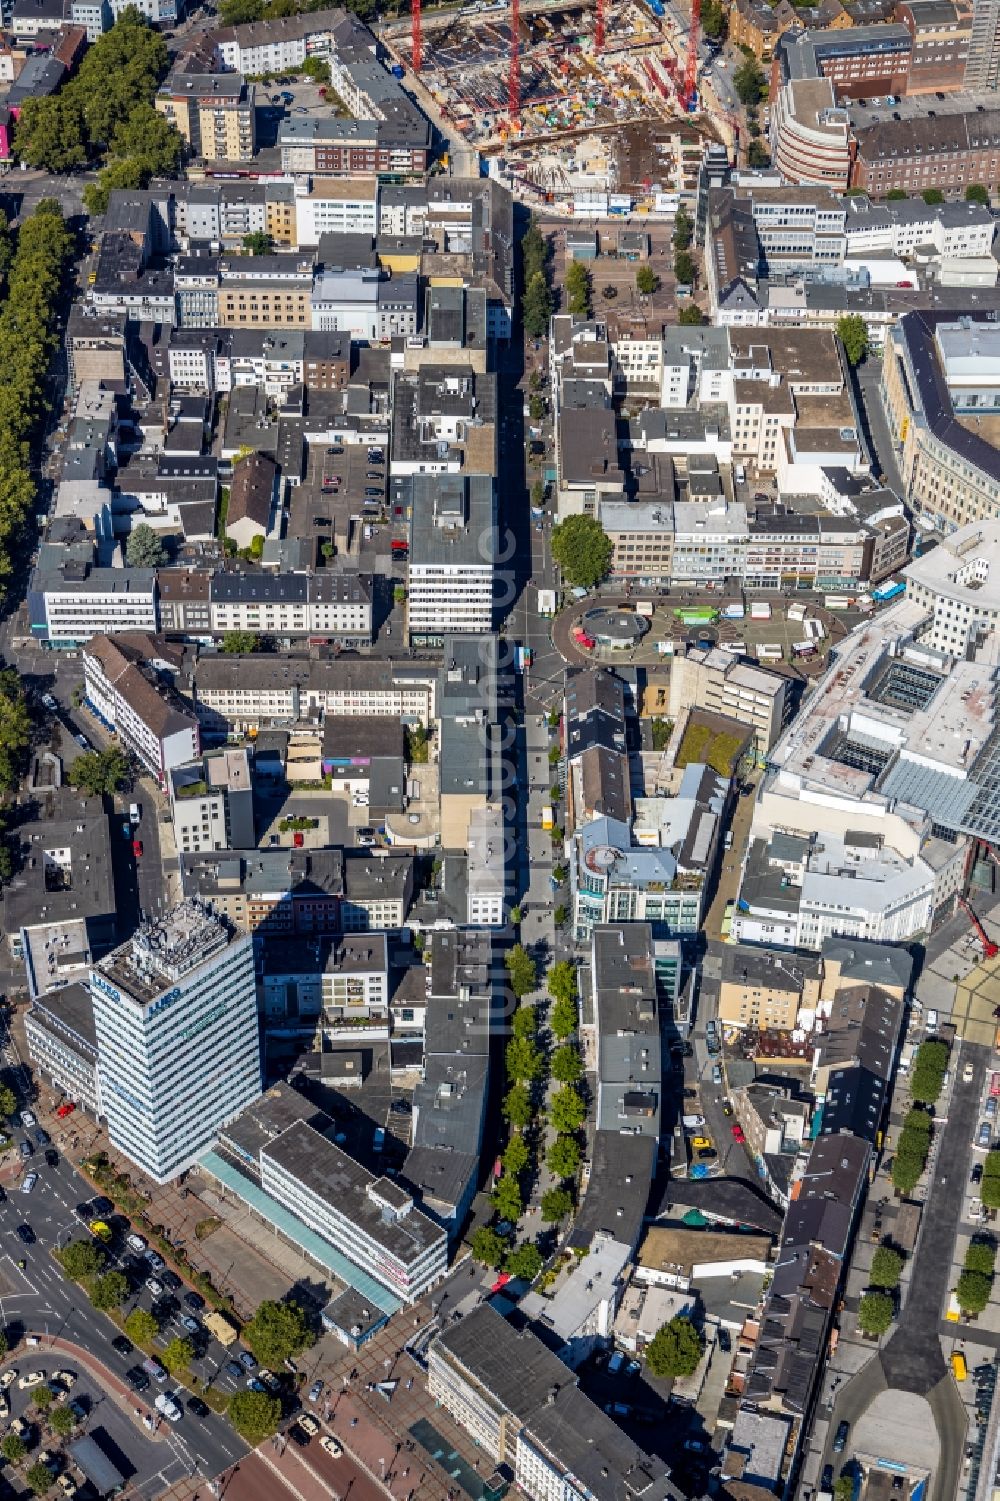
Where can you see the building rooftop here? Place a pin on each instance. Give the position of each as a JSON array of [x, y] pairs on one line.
[[162, 951]]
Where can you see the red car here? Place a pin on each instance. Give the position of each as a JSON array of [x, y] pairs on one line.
[[137, 848], [65, 1110], [738, 1133]]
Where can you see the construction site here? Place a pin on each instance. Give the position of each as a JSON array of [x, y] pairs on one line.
[[596, 97]]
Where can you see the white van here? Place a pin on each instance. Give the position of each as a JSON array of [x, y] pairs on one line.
[[932, 1020]]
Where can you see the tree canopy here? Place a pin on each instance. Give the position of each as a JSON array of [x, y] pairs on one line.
[[567, 1112], [536, 306], [749, 83], [522, 972], [524, 1261], [563, 1157], [488, 1247], [142, 1327], [646, 280], [144, 548], [557, 1203], [582, 549], [238, 643], [517, 1108], [566, 1066], [524, 1061], [278, 1331], [675, 1349], [15, 731], [977, 193], [691, 316], [110, 1291], [36, 290], [886, 1267], [254, 1415], [106, 111], [852, 331], [875, 1313], [507, 1199], [97, 772], [82, 1258], [579, 286], [258, 242]]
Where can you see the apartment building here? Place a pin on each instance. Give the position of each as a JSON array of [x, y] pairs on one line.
[[372, 1221], [712, 679], [935, 149], [336, 206], [763, 989], [331, 146], [962, 230], [290, 606], [940, 384], [272, 46], [810, 134], [215, 113], [69, 602], [175, 1015], [265, 291], [261, 692], [128, 680], [211, 802], [451, 562]]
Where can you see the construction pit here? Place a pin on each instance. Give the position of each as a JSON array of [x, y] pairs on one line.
[[582, 105]]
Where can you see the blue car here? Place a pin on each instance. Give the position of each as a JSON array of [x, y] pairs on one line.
[[126, 830]]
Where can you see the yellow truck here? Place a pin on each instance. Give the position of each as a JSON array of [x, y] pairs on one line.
[[548, 818], [224, 1330], [958, 1367]]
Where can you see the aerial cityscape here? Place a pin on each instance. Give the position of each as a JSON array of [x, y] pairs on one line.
[[499, 750]]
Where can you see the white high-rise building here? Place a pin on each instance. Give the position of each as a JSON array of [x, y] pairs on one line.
[[175, 1011]]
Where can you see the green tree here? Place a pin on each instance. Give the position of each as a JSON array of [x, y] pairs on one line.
[[927, 1077], [749, 83], [981, 1256], [582, 549], [39, 1479], [685, 268], [758, 154], [691, 316], [8, 1102], [238, 643], [567, 1112], [675, 1349], [516, 1156], [12, 1448], [852, 331], [62, 1420], [976, 193], [534, 252], [557, 1204], [144, 548], [906, 1174], [524, 1022], [278, 1331], [579, 289], [563, 1157], [488, 1247], [316, 69], [932, 195], [507, 1198], [110, 1291], [713, 19], [875, 1313], [98, 772], [886, 1267], [15, 726], [973, 1292], [843, 1488], [919, 1120], [683, 230], [895, 195], [561, 915], [254, 1415], [646, 281], [524, 1261], [522, 972], [258, 242], [177, 1355], [561, 983], [82, 1258], [990, 1193], [43, 1398], [536, 408], [566, 1066], [536, 306], [563, 1018], [517, 1107], [142, 1327], [50, 133], [524, 1061]]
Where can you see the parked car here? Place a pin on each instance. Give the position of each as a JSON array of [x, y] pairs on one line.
[[42, 1136], [27, 1120], [315, 1391], [840, 1439], [122, 1345], [30, 1179], [308, 1424], [137, 1378], [332, 1447]]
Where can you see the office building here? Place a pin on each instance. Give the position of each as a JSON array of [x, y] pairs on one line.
[[62, 1044], [175, 1014], [713, 679], [211, 802], [452, 550], [128, 680]]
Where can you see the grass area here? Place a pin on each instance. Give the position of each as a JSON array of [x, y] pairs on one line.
[[719, 751], [207, 1227], [217, 1401]]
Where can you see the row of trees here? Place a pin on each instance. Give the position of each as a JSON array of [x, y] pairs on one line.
[[536, 296], [989, 1189], [106, 112], [579, 288], [36, 283], [877, 1307], [239, 12], [912, 1150], [929, 1066], [975, 1281], [685, 268]]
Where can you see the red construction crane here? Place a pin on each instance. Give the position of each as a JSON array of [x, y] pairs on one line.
[[599, 28], [990, 949], [689, 93], [514, 81], [416, 44]]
